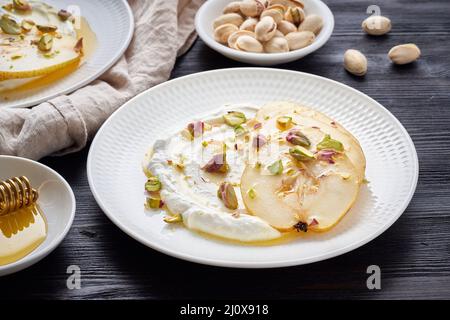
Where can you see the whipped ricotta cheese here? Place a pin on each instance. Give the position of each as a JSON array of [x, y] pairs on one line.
[[192, 192]]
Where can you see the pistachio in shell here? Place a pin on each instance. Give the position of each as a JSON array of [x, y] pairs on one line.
[[232, 39], [276, 45], [252, 8], [249, 44], [249, 24], [232, 18], [313, 23], [232, 7], [223, 32], [404, 53], [300, 39], [276, 12], [265, 29], [355, 62], [287, 3], [9, 25], [286, 27], [294, 15], [376, 25]]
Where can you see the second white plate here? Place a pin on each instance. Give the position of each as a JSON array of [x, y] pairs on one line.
[[112, 23], [116, 178]]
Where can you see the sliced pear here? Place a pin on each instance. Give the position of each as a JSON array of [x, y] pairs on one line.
[[317, 193], [306, 119], [22, 59]]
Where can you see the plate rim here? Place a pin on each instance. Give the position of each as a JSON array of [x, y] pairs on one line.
[[35, 257], [248, 264], [94, 76]]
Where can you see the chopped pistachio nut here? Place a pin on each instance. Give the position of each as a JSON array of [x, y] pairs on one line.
[[266, 118], [296, 137], [17, 56], [329, 143], [234, 118], [177, 218], [27, 25], [276, 168], [284, 122], [240, 130], [301, 154], [252, 193], [21, 5], [153, 184], [153, 202], [218, 163], [205, 144], [9, 25], [196, 129], [345, 175], [46, 29], [45, 43], [228, 196]]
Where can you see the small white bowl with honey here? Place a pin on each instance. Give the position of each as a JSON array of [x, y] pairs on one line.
[[37, 227]]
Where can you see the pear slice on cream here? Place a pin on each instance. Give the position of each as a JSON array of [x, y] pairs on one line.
[[317, 193]]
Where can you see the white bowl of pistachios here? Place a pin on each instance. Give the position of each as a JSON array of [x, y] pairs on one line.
[[264, 32]]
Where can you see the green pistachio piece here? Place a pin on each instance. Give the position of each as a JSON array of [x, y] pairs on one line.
[[234, 118], [46, 29], [284, 122], [228, 196], [9, 25], [153, 184], [45, 43], [328, 143], [276, 168], [296, 137], [154, 202], [301, 154], [177, 218], [252, 193], [239, 131], [27, 25], [21, 5]]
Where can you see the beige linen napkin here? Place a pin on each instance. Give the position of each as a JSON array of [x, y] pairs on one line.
[[164, 30]]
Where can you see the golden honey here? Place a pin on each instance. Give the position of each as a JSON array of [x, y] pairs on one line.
[[21, 233]]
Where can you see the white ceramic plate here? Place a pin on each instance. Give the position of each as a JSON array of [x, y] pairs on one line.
[[116, 178], [213, 9], [113, 24], [56, 200]]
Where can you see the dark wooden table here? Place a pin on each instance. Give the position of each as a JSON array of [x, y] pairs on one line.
[[414, 254]]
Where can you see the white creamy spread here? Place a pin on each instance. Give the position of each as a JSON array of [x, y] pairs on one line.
[[192, 192]]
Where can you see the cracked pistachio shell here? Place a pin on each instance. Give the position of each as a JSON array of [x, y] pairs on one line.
[[232, 18], [298, 40], [249, 44], [404, 53], [9, 25], [286, 27], [232, 7], [313, 23], [249, 24], [275, 11], [294, 15], [252, 8], [376, 25], [276, 45], [355, 62], [265, 29], [287, 3], [223, 32], [232, 39]]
